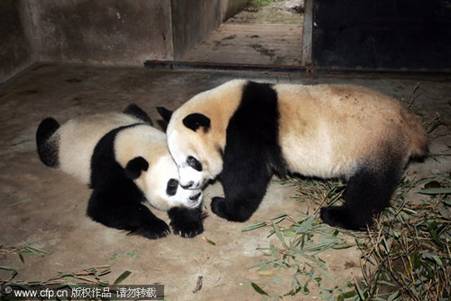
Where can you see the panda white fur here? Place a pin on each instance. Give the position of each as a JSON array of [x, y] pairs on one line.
[[125, 161], [245, 132]]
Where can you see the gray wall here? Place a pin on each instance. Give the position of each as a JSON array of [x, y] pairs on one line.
[[15, 50], [102, 31], [231, 7], [108, 32], [192, 20]]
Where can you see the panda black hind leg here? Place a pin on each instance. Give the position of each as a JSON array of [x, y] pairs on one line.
[[367, 193]]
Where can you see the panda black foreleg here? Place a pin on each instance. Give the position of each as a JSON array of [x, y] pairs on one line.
[[367, 193], [132, 216], [186, 222], [244, 189]]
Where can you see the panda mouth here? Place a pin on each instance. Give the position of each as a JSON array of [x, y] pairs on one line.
[[195, 197], [194, 200]]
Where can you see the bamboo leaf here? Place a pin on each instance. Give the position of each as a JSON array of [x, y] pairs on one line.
[[253, 227], [434, 191], [258, 289], [122, 277]]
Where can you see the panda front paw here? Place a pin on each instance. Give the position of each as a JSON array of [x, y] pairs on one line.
[[187, 230], [154, 230], [218, 207], [186, 222]]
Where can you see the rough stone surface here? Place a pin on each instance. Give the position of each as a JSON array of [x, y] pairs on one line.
[[15, 50], [103, 32], [231, 7], [275, 12], [46, 209], [192, 21]]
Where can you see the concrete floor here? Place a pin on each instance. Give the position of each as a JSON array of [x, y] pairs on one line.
[[268, 44], [268, 35], [46, 209]]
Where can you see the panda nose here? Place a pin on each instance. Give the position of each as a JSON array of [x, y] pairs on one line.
[[195, 197], [189, 185]]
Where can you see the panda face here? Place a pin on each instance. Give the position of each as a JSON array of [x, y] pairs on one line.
[[162, 188], [197, 160]]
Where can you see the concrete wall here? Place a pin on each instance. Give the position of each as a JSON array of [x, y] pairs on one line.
[[15, 50], [192, 21], [231, 7], [102, 31], [109, 32]]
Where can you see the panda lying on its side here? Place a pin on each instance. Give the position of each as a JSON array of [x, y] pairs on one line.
[[126, 161], [245, 132]]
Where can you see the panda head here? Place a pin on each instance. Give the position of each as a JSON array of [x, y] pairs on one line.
[[160, 185], [194, 146]]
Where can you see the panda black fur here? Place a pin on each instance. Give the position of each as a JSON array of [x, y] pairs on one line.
[[244, 132], [126, 162]]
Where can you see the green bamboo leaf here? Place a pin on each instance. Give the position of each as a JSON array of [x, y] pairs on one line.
[[122, 277], [434, 191], [393, 296], [279, 235], [433, 257], [253, 227], [359, 291], [258, 289], [348, 294]]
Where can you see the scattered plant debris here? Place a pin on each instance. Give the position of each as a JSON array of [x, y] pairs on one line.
[[405, 255]]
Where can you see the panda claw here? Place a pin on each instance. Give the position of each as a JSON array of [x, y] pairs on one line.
[[188, 230], [153, 231], [185, 222]]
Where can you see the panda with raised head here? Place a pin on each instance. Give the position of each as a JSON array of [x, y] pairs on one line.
[[125, 161], [246, 131]]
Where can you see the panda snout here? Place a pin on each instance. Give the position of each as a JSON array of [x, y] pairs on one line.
[[187, 186], [195, 197]]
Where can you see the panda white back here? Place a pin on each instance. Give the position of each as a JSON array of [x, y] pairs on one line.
[[340, 127], [78, 137]]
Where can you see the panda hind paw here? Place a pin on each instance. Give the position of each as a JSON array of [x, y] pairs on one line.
[[154, 230], [342, 217]]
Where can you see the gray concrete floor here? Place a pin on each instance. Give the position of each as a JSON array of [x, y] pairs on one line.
[[269, 35], [46, 209]]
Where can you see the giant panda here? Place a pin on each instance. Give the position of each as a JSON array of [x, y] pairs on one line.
[[125, 161], [245, 131]]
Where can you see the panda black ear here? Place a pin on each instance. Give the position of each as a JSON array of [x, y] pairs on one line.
[[135, 166], [165, 113], [196, 120], [135, 111]]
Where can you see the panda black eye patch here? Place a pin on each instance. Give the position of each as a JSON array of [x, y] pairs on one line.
[[194, 163], [171, 189]]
